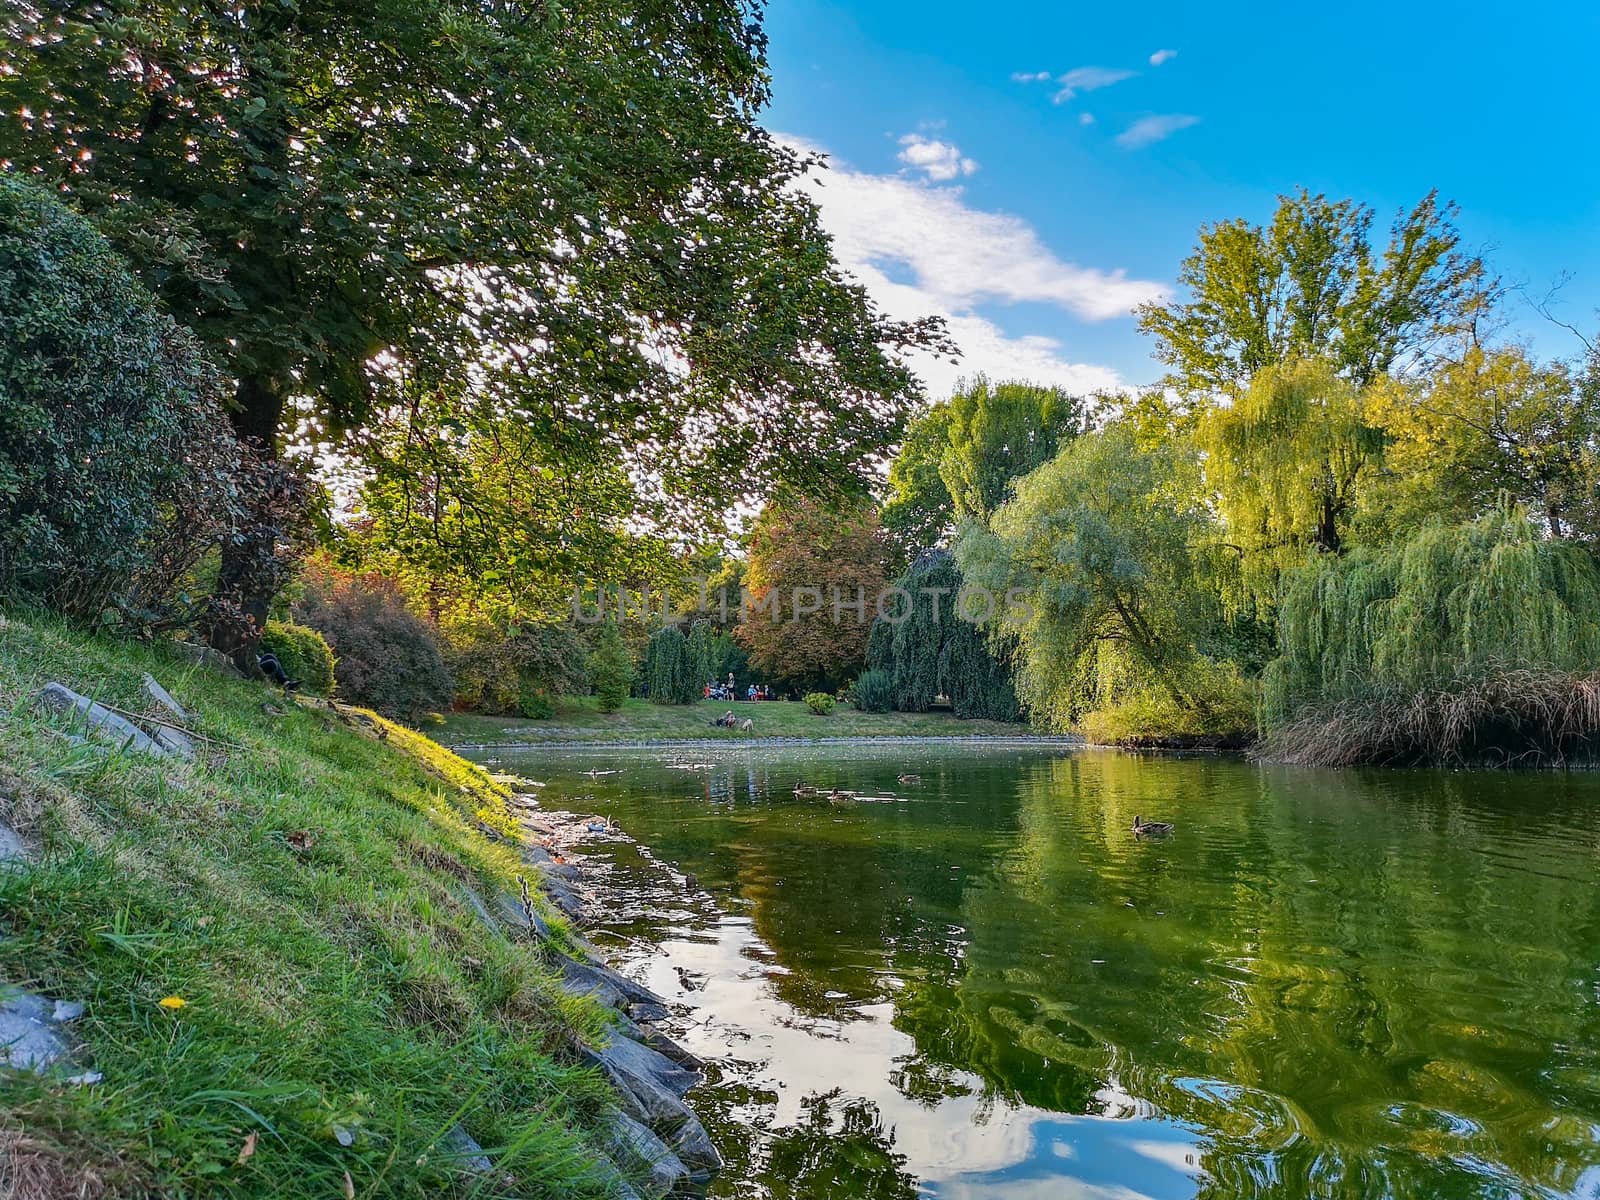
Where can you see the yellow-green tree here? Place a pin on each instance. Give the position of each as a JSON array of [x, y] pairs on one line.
[[1286, 461], [1314, 284], [1491, 426]]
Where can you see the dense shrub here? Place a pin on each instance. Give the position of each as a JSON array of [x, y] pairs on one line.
[[496, 669], [388, 659], [303, 653], [874, 692], [536, 703], [1218, 710], [820, 703], [611, 669], [116, 460]]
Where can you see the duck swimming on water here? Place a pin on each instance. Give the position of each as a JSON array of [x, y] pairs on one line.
[[1141, 827]]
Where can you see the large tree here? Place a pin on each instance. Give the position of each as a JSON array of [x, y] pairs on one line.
[[565, 216], [815, 576], [1287, 461], [918, 512], [1111, 545], [933, 648], [1491, 426], [1314, 284], [998, 432]]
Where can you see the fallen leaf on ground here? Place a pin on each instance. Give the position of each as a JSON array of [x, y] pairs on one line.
[[247, 1149], [349, 1187], [302, 839]]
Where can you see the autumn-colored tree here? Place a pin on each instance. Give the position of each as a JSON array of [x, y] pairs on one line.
[[814, 580]]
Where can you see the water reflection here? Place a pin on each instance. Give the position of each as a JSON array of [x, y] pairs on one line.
[[1323, 985]]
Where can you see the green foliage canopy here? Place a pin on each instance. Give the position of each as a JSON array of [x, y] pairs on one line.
[[918, 514], [1111, 550], [1489, 427], [1451, 603], [1287, 459], [1313, 284], [998, 432], [451, 216]]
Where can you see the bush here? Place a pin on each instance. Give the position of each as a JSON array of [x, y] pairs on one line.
[[536, 703], [496, 670], [611, 668], [116, 458], [874, 692], [388, 659], [303, 653], [1219, 711], [820, 703]]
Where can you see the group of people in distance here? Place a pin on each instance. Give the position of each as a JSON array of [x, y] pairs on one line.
[[726, 691]]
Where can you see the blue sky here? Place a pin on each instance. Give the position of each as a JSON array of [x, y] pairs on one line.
[[1035, 218]]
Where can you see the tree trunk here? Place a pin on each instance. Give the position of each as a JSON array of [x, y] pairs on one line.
[[1327, 536], [251, 569]]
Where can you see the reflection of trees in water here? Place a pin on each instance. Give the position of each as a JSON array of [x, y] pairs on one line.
[[1381, 996], [839, 1148]]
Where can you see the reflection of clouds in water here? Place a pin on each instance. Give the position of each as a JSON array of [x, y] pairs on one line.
[[1036, 1189], [958, 1145]]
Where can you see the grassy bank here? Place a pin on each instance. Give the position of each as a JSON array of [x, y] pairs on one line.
[[639, 720], [303, 890]]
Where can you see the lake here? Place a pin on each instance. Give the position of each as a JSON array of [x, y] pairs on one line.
[[982, 985]]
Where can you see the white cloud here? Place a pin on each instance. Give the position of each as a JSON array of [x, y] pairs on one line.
[[1161, 56], [1148, 130], [1089, 79], [941, 161], [1030, 77], [921, 251], [1086, 118]]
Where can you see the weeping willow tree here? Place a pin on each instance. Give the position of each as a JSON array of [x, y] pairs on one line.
[[1287, 459], [670, 670], [933, 650], [1112, 551], [1471, 642]]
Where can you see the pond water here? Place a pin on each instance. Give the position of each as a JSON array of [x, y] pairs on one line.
[[981, 985]]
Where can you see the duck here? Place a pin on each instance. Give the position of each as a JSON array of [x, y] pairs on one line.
[[908, 777], [839, 794], [805, 789], [1141, 826]]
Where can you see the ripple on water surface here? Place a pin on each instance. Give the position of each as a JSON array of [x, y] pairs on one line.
[[1323, 984]]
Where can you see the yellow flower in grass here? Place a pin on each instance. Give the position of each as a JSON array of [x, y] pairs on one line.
[[173, 1003]]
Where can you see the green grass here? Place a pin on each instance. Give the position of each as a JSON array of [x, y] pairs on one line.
[[337, 991], [639, 720]]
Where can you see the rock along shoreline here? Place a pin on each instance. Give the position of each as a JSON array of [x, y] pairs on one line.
[[653, 1137]]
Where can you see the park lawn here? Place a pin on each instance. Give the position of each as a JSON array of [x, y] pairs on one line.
[[578, 719]]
